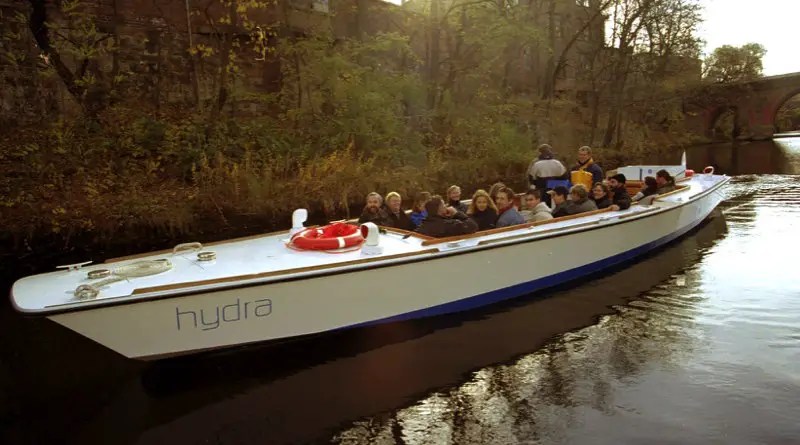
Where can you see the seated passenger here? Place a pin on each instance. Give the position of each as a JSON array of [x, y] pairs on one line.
[[559, 199], [397, 217], [665, 181], [373, 212], [494, 189], [650, 188], [535, 209], [507, 213], [418, 212], [620, 199], [482, 210], [600, 196], [454, 199], [579, 202], [445, 221]]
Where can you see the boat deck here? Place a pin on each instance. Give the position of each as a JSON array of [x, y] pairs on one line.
[[266, 258]]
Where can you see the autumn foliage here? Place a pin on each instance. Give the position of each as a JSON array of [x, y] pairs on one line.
[[106, 140]]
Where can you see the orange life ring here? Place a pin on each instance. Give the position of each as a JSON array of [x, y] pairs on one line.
[[708, 170], [331, 237]]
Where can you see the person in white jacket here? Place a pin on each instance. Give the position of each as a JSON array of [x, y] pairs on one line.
[[545, 167], [535, 209]]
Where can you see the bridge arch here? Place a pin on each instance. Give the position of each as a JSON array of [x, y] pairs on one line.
[[780, 104], [755, 106], [723, 122]]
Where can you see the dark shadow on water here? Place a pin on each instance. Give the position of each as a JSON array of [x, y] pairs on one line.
[[780, 156]]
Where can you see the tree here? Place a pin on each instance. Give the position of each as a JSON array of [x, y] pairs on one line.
[[73, 38], [735, 64], [649, 39]]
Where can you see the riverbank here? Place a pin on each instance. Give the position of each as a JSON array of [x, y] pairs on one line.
[[124, 184]]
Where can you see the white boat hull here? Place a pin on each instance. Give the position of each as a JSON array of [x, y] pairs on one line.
[[418, 287]]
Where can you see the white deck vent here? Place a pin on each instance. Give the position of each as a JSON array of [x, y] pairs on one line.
[[372, 235]]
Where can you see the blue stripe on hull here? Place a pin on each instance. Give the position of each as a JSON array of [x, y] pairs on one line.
[[530, 286]]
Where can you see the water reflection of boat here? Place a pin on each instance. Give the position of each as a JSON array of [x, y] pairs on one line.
[[255, 289]]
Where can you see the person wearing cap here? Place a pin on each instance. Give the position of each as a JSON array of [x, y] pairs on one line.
[[620, 199], [544, 168]]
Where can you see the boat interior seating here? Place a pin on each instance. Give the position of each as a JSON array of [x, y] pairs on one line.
[[633, 187], [432, 241]]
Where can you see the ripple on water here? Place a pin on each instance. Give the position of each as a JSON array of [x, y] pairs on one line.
[[710, 355]]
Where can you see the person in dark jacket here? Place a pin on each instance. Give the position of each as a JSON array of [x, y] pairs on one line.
[[482, 210], [579, 201], [559, 199], [600, 196], [586, 162], [620, 200], [454, 198], [443, 221], [665, 181], [650, 188], [394, 210], [373, 212]]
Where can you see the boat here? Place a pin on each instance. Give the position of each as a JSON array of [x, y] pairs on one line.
[[197, 297]]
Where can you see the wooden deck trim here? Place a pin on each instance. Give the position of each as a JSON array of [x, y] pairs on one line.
[[296, 270], [406, 232], [679, 189], [511, 228]]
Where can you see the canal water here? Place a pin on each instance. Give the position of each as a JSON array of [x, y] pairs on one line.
[[697, 343]]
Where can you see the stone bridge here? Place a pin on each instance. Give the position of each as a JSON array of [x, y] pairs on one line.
[[754, 104]]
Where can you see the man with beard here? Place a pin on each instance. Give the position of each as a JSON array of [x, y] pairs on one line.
[[621, 199], [373, 212]]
